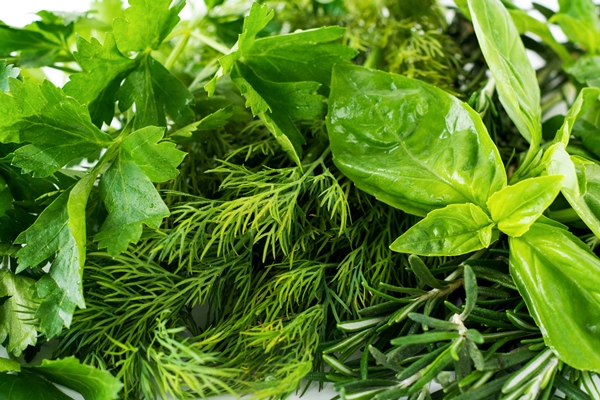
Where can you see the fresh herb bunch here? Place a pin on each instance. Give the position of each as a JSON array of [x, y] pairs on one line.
[[237, 203]]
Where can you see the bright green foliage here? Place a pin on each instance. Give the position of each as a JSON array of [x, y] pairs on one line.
[[90, 382], [585, 70], [146, 24], [561, 279], [515, 208], [579, 21], [441, 155], [104, 67], [453, 230], [505, 55], [27, 386], [15, 314], [7, 71]]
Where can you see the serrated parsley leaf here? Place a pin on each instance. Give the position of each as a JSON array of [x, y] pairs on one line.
[[128, 192], [277, 104], [90, 382], [59, 230], [300, 56], [155, 90], [58, 128], [146, 24], [7, 71], [255, 22], [104, 69], [16, 311], [215, 120]]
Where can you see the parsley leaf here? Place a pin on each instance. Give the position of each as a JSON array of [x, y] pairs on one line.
[[127, 190], [15, 312], [7, 71]]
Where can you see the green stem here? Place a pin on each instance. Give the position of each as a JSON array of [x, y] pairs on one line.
[[374, 58], [183, 41], [211, 43]]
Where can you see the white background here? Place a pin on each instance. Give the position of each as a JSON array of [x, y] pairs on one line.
[[22, 12]]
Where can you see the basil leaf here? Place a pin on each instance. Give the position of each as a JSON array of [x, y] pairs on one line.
[[560, 281], [583, 120], [578, 19], [581, 186], [28, 386], [526, 23], [505, 55], [451, 231], [515, 208], [91, 383], [409, 144]]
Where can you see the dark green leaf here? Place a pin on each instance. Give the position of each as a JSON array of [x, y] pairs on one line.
[[16, 314], [423, 273], [516, 207], [410, 144], [453, 230], [146, 24], [155, 90], [470, 291], [505, 55], [299, 56], [104, 69], [27, 386], [58, 128], [92, 383], [560, 280]]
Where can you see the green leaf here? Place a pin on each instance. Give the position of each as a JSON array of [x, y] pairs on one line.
[[59, 230], [423, 273], [35, 49], [581, 185], [409, 144], [515, 208], [16, 313], [7, 71], [526, 23], [453, 230], [146, 24], [212, 121], [91, 383], [585, 70], [155, 90], [255, 22], [158, 161], [470, 291], [560, 281], [27, 386], [583, 120], [579, 21], [300, 56], [6, 197], [7, 365], [104, 68], [505, 55], [128, 193], [278, 104], [58, 128]]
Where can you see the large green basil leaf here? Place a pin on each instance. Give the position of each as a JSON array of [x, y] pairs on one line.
[[505, 55], [579, 21], [408, 143], [451, 231], [561, 286], [581, 186], [515, 208]]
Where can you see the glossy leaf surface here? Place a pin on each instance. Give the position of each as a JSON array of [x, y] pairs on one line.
[[515, 208], [515, 78], [28, 386], [16, 318], [560, 285], [91, 383], [453, 230], [583, 120], [410, 144], [581, 186]]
